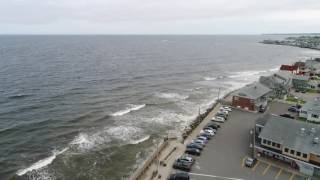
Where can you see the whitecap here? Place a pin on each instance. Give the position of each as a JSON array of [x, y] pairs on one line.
[[128, 110], [174, 96], [246, 74], [140, 140], [274, 69], [210, 78], [41, 163]]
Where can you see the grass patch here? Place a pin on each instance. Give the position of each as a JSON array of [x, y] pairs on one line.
[[295, 100], [312, 91]]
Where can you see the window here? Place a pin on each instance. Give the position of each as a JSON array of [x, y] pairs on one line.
[[264, 141], [278, 145], [286, 150], [292, 152], [298, 153], [314, 116], [304, 155], [236, 98], [273, 144], [268, 142]]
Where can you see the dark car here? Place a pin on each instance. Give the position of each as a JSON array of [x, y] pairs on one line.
[[262, 109], [195, 145], [293, 109], [193, 151], [186, 159], [212, 125], [185, 166], [222, 114], [205, 134], [179, 176], [286, 115]]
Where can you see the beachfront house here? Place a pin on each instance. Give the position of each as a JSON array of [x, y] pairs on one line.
[[294, 69], [280, 83], [251, 97], [300, 82], [311, 111], [313, 65], [291, 142]]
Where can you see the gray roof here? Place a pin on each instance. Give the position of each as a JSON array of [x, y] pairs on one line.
[[300, 77], [312, 106], [253, 91], [285, 75], [288, 133]]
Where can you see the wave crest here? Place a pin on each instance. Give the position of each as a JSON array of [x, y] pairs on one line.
[[128, 110]]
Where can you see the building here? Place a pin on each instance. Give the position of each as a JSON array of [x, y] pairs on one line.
[[291, 68], [251, 97], [293, 142], [311, 111], [300, 82], [279, 82]]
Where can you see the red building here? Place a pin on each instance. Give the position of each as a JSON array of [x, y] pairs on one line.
[[251, 97], [292, 68]]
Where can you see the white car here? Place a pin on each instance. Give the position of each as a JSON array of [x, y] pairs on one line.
[[218, 119], [198, 141], [225, 112], [211, 133], [227, 108]]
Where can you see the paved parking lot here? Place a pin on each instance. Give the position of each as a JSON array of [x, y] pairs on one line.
[[223, 157], [305, 96], [280, 108]]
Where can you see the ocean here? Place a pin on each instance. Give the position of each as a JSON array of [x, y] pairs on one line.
[[94, 107]]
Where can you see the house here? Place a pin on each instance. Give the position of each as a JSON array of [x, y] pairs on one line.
[[300, 82], [311, 110], [291, 142], [251, 97], [291, 68], [280, 83], [313, 65]]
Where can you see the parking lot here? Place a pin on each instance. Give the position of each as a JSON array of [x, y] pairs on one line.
[[224, 155], [280, 108]]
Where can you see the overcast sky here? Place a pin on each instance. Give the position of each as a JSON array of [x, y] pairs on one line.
[[159, 16]]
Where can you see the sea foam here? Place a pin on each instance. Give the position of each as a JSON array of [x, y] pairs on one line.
[[128, 110]]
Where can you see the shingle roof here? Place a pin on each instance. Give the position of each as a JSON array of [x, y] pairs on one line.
[[312, 106], [300, 77], [288, 132], [253, 91]]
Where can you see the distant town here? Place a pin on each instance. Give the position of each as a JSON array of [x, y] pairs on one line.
[[269, 129], [305, 41]]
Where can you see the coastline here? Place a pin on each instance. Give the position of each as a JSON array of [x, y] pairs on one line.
[[169, 147]]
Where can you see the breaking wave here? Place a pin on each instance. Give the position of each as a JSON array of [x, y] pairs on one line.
[[140, 140], [174, 96], [41, 163], [246, 74], [128, 110]]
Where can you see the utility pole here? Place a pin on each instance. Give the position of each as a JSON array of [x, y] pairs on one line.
[[219, 94]]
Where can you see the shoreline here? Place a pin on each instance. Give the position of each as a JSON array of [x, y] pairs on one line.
[[145, 169]]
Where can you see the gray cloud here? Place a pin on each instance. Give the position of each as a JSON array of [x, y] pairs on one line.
[[156, 16]]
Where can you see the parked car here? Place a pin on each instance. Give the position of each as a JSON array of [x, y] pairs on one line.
[[185, 166], [250, 162], [227, 108], [293, 109], [198, 141], [212, 125], [221, 114], [206, 134], [179, 176], [210, 129], [286, 115], [203, 138], [211, 133], [193, 151], [262, 109], [195, 145], [187, 159], [218, 119], [224, 111]]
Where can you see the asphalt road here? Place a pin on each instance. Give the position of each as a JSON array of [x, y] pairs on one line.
[[223, 156]]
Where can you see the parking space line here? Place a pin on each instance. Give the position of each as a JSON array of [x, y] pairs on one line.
[[255, 166], [243, 159], [213, 176], [266, 169], [279, 173], [291, 177]]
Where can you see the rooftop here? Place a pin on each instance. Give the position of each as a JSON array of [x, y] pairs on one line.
[[291, 133], [300, 77], [313, 106], [253, 91]]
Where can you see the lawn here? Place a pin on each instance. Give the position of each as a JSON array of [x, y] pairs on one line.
[[296, 100]]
